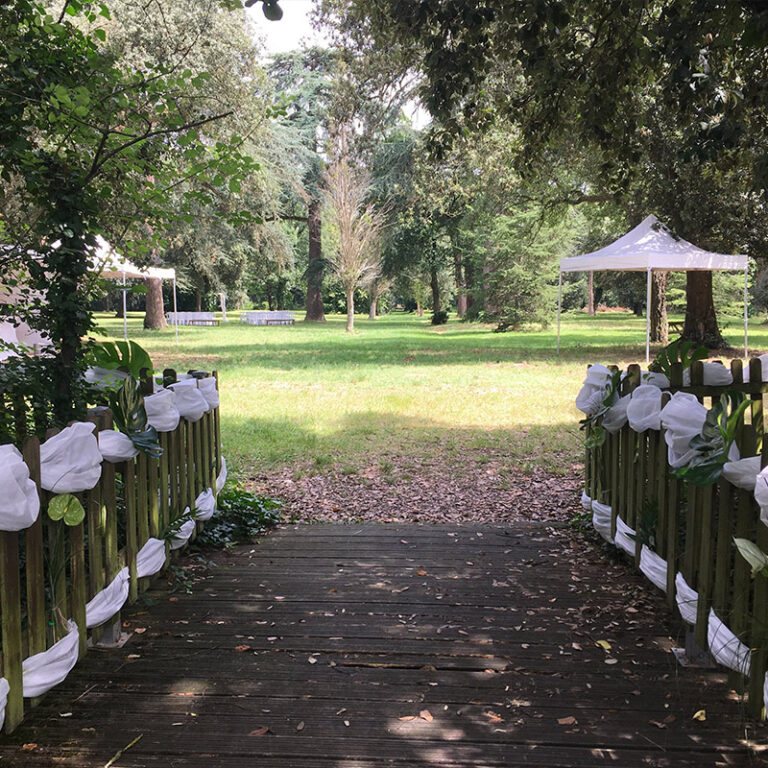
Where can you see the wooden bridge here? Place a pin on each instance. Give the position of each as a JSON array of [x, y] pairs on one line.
[[365, 646]]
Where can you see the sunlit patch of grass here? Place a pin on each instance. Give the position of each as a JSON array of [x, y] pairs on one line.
[[315, 399]]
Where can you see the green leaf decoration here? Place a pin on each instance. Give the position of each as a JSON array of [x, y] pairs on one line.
[[120, 355], [66, 507], [678, 351], [130, 417], [755, 556]]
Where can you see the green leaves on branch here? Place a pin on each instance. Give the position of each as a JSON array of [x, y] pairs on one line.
[[130, 418], [66, 507], [678, 351], [715, 441]]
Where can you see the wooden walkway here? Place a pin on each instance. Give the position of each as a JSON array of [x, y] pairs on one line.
[[366, 646]]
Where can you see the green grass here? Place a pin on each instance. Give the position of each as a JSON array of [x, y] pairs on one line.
[[315, 398]]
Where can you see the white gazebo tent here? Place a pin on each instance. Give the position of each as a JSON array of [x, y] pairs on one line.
[[651, 246], [111, 265]]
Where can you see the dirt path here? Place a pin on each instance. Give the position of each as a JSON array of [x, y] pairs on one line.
[[438, 489]]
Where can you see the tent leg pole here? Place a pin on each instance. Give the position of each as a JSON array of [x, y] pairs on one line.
[[648, 317], [125, 310], [175, 312], [559, 307], [746, 328]]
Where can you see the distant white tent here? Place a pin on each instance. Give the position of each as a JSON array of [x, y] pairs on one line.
[[651, 246], [112, 265]]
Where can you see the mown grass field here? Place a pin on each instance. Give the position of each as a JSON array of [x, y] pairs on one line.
[[316, 399]]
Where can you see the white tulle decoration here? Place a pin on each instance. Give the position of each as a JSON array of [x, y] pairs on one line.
[[725, 647], [162, 413], [184, 532], [70, 461], [151, 558], [207, 387], [189, 400], [205, 504], [222, 478], [43, 671], [602, 520], [108, 601], [687, 599], [644, 409], [116, 447], [654, 567], [19, 499], [5, 689], [624, 536]]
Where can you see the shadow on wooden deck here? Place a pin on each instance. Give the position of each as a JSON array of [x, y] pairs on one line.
[[365, 646]]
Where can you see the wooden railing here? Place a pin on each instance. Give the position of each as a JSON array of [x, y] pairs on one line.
[[133, 501], [694, 527]]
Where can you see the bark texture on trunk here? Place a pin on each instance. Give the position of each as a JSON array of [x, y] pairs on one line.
[[461, 284], [350, 310], [419, 309], [154, 317], [700, 318], [314, 302], [435, 286], [198, 300], [469, 285], [591, 294], [658, 310], [372, 309]]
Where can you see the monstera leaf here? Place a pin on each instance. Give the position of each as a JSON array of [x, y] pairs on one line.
[[126, 356], [130, 418], [678, 351]]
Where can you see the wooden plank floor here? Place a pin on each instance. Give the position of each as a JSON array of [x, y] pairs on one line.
[[365, 646]]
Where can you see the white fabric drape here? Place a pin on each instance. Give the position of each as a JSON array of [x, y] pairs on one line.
[[205, 504], [602, 520], [43, 671], [185, 531], [207, 387], [162, 413], [116, 447], [70, 461], [742, 473], [4, 691], [593, 390], [189, 400], [761, 494], [725, 647], [715, 375], [19, 499], [682, 418], [586, 502], [222, 478], [654, 567], [624, 538], [108, 601], [616, 416], [644, 408], [687, 599], [151, 558]]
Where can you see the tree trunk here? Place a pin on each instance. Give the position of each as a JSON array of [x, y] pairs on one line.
[[461, 284], [658, 310], [198, 300], [469, 284], [154, 317], [419, 309], [372, 308], [591, 294], [314, 301], [700, 318], [435, 286], [350, 310]]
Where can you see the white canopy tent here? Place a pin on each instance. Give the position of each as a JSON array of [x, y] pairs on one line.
[[651, 246], [112, 265]]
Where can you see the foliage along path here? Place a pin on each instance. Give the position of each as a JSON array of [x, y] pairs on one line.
[[360, 646]]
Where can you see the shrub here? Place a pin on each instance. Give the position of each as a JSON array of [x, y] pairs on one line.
[[440, 318]]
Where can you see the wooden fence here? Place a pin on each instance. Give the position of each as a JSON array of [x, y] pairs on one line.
[[133, 501], [694, 527]]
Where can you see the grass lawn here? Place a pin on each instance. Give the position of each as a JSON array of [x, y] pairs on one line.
[[399, 393]]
